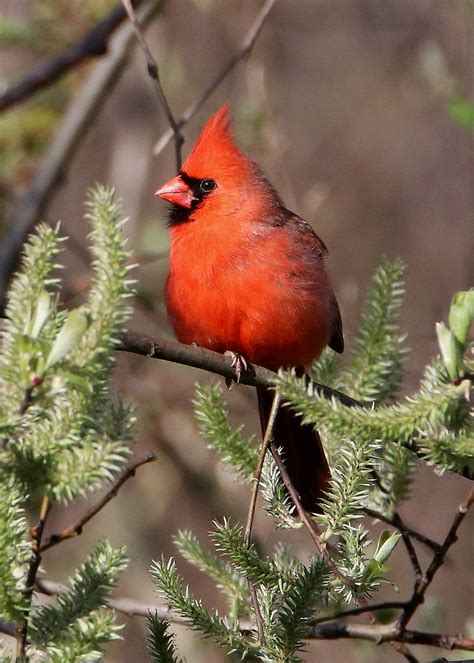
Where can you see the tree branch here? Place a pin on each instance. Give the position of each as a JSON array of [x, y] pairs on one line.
[[379, 633], [438, 559], [76, 529], [425, 540], [27, 211], [333, 630], [214, 362], [267, 438], [153, 72], [242, 52], [93, 44], [36, 535]]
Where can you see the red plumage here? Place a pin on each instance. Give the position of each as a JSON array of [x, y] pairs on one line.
[[247, 275]]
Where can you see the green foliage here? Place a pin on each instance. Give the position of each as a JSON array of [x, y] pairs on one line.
[[14, 553], [225, 577], [90, 585], [286, 613], [64, 434], [373, 461], [375, 369], [410, 422], [61, 432], [226, 634], [160, 641], [239, 453], [462, 112], [349, 487], [84, 640]]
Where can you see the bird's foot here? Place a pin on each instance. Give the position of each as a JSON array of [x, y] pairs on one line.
[[239, 364]]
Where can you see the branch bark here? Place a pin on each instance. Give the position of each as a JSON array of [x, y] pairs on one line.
[[36, 536], [214, 362]]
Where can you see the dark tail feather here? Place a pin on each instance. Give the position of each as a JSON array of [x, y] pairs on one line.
[[303, 452]]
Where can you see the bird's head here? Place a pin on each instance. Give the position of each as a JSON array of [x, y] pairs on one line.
[[217, 179]]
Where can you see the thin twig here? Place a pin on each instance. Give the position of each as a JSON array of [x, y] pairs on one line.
[[258, 471], [253, 501], [425, 540], [93, 44], [36, 535], [359, 610], [27, 211], [243, 51], [323, 547], [154, 73], [438, 559], [398, 523], [76, 529]]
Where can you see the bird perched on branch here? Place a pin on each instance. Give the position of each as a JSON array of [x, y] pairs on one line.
[[247, 276]]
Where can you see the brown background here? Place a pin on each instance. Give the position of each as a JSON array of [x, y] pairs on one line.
[[344, 104]]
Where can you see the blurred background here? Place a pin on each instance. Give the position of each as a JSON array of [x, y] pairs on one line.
[[359, 113]]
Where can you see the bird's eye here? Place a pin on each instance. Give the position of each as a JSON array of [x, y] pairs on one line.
[[207, 185]]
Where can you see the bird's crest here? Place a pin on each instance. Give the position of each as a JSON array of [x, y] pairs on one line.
[[216, 149]]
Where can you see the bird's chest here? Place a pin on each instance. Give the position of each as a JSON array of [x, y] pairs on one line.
[[205, 290]]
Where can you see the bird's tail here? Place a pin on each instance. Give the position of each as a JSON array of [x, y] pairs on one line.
[[303, 452]]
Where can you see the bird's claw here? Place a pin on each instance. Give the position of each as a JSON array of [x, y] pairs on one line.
[[239, 364]]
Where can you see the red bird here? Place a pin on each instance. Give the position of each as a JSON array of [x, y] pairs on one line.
[[248, 276]]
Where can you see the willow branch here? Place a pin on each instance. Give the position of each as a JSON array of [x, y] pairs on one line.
[[267, 438], [125, 605], [27, 211], [333, 630], [380, 633], [76, 529], [241, 53], [437, 561], [154, 73], [214, 362], [425, 540], [93, 44], [36, 536]]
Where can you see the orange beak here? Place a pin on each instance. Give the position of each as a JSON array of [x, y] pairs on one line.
[[176, 192]]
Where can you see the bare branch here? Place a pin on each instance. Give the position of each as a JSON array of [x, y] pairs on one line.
[[359, 610], [397, 521], [253, 502], [380, 633], [241, 53], [76, 529], [437, 561], [36, 535], [214, 362], [425, 540], [93, 44], [31, 206], [154, 73]]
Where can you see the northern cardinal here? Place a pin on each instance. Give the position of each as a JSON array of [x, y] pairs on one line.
[[247, 275]]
